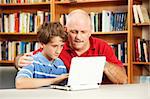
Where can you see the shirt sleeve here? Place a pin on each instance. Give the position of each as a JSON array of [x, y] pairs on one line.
[[26, 72], [110, 55]]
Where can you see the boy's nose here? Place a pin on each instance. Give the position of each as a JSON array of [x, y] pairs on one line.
[[58, 50]]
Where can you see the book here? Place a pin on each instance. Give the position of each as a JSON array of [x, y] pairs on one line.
[[135, 13], [106, 21], [145, 50], [144, 79], [143, 14], [137, 57]]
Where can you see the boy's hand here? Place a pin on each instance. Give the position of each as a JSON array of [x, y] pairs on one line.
[[61, 78], [25, 60]]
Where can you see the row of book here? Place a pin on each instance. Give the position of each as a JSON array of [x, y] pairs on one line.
[[140, 14], [9, 50], [142, 50], [145, 79], [120, 51], [22, 1], [105, 21], [78, 0], [23, 22]]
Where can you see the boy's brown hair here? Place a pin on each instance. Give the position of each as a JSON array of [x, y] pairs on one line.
[[48, 30]]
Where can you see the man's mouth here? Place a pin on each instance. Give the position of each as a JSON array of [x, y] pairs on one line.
[[78, 41]]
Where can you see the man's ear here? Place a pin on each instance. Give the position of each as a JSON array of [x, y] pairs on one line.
[[90, 33], [41, 45], [65, 30]]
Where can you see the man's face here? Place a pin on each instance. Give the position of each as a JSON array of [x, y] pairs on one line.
[[53, 48], [78, 35]]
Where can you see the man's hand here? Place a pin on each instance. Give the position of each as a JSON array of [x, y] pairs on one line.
[[115, 73], [24, 60]]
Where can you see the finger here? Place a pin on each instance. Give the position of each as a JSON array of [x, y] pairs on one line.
[[28, 54], [28, 58], [26, 62], [23, 65], [66, 74]]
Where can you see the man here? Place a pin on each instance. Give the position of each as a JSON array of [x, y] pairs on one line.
[[80, 43]]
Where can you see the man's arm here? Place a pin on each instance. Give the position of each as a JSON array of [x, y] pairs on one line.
[[38, 82], [115, 73]]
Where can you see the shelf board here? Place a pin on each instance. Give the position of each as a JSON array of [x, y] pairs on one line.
[[141, 63], [6, 62], [15, 34], [91, 1], [24, 4], [141, 24], [110, 33]]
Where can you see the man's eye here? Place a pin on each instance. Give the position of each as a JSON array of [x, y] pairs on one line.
[[83, 32], [74, 31]]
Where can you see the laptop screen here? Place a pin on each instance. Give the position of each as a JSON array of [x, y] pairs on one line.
[[86, 70]]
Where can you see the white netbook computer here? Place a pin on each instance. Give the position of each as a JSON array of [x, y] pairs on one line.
[[85, 73]]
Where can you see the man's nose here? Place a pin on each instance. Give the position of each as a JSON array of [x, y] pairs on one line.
[[78, 35]]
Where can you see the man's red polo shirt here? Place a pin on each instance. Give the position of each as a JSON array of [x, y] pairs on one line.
[[97, 48]]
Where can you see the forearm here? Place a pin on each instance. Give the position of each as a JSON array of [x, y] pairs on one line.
[[115, 73], [33, 82], [38, 82]]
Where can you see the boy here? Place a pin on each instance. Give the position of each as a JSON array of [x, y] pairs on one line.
[[47, 68]]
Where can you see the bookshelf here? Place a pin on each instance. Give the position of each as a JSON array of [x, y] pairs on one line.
[[140, 68], [18, 36], [57, 8]]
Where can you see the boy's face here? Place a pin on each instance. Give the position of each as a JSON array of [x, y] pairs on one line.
[[52, 50]]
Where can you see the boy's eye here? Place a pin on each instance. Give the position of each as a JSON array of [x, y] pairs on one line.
[[57, 45], [54, 45], [62, 45]]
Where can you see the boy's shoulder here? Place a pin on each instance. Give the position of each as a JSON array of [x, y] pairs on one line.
[[42, 59], [37, 56], [58, 60]]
